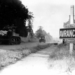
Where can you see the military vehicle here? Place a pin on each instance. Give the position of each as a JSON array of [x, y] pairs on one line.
[[42, 39], [6, 36]]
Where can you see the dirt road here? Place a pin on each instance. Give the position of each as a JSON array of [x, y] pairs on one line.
[[38, 64]]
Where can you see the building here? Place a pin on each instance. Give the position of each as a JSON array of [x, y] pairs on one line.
[[71, 21], [70, 24]]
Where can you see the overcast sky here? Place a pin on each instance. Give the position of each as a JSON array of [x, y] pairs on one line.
[[51, 14]]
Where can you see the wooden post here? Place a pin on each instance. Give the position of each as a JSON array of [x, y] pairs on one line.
[[71, 48]]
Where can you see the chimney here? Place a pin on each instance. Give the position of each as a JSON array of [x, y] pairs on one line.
[[72, 15]]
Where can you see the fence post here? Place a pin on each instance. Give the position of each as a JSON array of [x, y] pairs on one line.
[[71, 48]]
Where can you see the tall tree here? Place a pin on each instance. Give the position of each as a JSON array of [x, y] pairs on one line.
[[13, 12], [30, 21], [39, 33]]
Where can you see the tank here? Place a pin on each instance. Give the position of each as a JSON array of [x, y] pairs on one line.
[[42, 39], [6, 37]]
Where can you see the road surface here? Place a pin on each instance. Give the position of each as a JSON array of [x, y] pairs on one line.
[[36, 64]]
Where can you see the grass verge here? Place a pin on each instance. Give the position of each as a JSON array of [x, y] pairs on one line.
[[8, 57], [62, 54]]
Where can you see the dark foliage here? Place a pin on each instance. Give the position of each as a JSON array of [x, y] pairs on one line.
[[13, 12]]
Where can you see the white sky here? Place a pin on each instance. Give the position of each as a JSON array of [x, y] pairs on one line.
[[51, 14]]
